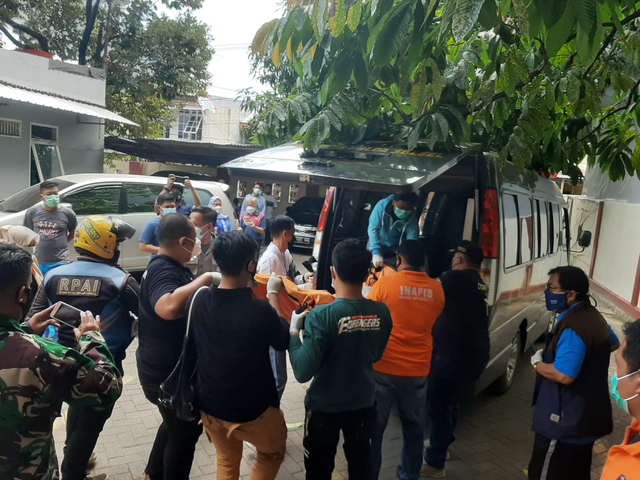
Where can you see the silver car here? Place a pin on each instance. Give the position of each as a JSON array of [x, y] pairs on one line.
[[128, 197]]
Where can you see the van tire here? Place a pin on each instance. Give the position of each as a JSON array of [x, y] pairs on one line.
[[504, 382]]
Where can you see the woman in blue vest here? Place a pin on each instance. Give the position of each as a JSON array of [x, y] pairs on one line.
[[572, 406], [224, 222]]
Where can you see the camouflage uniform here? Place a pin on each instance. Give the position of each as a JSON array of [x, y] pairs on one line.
[[36, 376]]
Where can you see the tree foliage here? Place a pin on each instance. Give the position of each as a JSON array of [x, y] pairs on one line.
[[543, 82], [152, 58]]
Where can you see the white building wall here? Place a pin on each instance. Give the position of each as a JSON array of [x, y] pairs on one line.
[[81, 144], [223, 125], [45, 75], [618, 248]]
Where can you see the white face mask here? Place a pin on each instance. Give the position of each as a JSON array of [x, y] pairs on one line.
[[218, 209], [251, 210]]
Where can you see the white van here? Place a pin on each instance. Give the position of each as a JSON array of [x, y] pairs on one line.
[[519, 217]]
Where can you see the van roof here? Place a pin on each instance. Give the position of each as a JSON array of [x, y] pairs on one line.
[[375, 166]]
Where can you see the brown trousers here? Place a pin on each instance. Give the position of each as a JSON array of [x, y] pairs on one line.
[[268, 433]]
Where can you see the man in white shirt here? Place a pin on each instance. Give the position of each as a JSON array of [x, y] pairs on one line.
[[277, 259]]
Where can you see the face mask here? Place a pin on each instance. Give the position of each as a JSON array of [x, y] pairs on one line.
[[555, 301], [401, 214], [218, 210], [257, 191], [251, 210], [199, 234], [190, 250], [23, 307], [52, 201], [31, 250], [623, 403], [168, 211]]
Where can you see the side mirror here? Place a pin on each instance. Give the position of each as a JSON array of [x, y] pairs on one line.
[[585, 239], [67, 205]]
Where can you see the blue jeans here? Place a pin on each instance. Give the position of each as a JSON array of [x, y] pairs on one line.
[[279, 367], [411, 395], [446, 389]]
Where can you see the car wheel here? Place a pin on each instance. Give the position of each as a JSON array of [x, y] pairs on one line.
[[504, 382]]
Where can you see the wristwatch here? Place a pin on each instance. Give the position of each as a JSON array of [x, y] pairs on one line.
[[535, 366]]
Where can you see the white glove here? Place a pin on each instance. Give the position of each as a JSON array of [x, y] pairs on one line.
[[536, 358], [297, 320], [378, 261], [216, 278], [308, 277], [274, 285]]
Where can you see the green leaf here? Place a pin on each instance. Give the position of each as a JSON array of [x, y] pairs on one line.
[[360, 74], [353, 17], [438, 82], [557, 35], [635, 159], [338, 21], [573, 89], [488, 16], [550, 98], [416, 131], [319, 18], [417, 36], [342, 73], [465, 16], [552, 11], [614, 16], [519, 149], [522, 15], [333, 119], [587, 16], [503, 157], [318, 131], [418, 91], [295, 110], [392, 36], [457, 123], [442, 125]]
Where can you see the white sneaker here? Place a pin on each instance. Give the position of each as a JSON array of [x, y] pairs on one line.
[[427, 444], [431, 472]]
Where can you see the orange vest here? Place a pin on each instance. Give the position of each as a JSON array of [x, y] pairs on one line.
[[292, 297], [623, 462]]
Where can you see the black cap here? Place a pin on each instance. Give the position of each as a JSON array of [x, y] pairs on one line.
[[471, 250]]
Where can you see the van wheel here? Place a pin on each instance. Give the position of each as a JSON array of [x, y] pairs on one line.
[[503, 384]]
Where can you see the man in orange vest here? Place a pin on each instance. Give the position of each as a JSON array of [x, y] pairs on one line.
[[415, 301], [623, 462]]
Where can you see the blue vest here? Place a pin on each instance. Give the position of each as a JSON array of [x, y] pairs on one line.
[[96, 287], [582, 409]]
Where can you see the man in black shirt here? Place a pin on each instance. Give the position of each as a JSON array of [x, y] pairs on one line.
[[232, 333], [461, 350], [166, 287]]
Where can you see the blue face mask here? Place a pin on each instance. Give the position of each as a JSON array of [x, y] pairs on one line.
[[168, 211], [623, 403], [555, 301]]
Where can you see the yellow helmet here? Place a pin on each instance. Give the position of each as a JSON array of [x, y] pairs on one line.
[[99, 235]]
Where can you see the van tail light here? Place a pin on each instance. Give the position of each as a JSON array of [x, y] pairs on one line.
[[322, 222], [490, 234]]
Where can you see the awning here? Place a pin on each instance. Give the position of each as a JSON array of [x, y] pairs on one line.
[[186, 152], [36, 98]]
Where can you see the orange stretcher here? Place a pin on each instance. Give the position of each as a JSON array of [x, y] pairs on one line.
[[292, 297]]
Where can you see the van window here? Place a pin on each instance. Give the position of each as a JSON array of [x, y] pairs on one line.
[[565, 227], [543, 228], [103, 200], [555, 227], [526, 229], [141, 197], [510, 231]]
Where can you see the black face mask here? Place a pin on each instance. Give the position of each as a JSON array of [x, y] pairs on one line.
[[23, 307]]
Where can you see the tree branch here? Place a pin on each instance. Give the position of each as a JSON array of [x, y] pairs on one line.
[[625, 20], [92, 13], [14, 40], [42, 40], [601, 122], [605, 45], [404, 116]]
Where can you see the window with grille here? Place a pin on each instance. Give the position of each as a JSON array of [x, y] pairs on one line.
[[10, 128]]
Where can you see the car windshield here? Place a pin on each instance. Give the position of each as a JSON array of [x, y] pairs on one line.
[[28, 197]]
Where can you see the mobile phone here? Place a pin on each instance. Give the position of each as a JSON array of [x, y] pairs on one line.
[[66, 314]]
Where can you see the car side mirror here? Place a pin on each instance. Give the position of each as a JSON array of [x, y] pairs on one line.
[[67, 205], [585, 239]]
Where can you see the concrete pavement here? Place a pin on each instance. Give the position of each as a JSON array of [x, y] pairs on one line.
[[493, 435]]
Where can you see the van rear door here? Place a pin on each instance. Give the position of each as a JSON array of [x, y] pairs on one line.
[[373, 168]]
